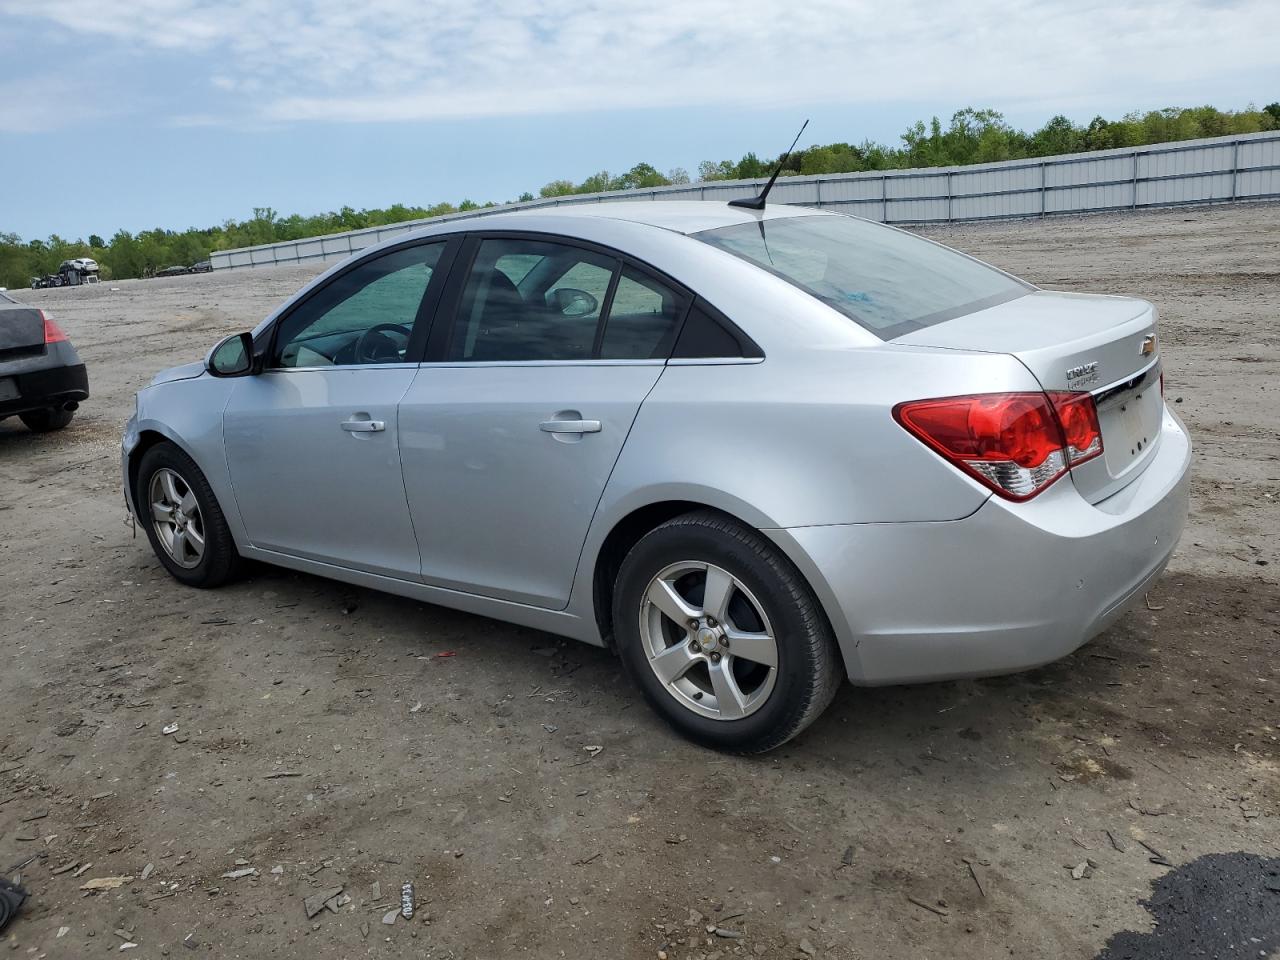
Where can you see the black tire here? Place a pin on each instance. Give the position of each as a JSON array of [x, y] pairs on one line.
[[43, 421], [809, 670], [220, 561]]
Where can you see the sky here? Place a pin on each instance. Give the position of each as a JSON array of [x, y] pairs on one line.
[[174, 113]]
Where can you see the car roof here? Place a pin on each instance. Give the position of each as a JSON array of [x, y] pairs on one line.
[[679, 216]]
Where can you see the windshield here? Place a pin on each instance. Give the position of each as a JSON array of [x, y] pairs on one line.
[[886, 281]]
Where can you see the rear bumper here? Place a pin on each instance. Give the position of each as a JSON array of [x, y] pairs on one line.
[[1010, 587], [51, 387]]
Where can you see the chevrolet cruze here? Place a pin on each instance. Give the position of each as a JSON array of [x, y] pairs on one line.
[[754, 452]]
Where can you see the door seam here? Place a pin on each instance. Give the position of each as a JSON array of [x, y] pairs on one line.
[[404, 485], [577, 567]]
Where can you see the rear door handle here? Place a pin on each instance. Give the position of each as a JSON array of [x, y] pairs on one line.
[[364, 426], [569, 426]]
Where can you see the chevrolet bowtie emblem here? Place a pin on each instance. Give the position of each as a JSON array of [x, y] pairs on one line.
[[1148, 345]]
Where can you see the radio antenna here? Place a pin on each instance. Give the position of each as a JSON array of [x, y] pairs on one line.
[[757, 203]]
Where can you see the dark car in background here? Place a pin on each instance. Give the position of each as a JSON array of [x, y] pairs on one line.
[[42, 379]]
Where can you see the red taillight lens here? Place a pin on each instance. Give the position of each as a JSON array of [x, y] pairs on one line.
[[1079, 418], [1011, 442], [52, 332]]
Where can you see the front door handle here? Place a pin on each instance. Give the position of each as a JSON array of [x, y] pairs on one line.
[[364, 426], [569, 426]]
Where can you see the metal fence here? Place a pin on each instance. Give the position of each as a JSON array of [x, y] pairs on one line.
[[1213, 170]]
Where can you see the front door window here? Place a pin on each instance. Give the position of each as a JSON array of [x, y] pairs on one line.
[[365, 316]]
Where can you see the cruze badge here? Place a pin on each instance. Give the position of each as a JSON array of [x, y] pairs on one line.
[[1083, 375], [1148, 345]]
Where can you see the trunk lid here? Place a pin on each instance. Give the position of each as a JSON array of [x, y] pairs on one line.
[[1080, 342], [21, 331]]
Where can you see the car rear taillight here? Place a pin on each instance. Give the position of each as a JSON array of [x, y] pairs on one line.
[[1015, 443], [1078, 415], [52, 332]]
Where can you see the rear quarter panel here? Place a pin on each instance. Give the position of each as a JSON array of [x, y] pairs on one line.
[[806, 440]]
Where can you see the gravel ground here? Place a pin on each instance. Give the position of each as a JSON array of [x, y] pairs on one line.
[[327, 741]]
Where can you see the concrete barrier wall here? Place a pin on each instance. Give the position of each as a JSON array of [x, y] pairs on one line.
[[1218, 169]]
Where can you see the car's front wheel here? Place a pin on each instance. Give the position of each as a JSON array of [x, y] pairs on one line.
[[43, 421], [182, 519], [722, 634]]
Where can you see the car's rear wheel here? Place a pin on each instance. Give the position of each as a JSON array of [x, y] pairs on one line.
[[51, 418], [182, 519], [722, 635]]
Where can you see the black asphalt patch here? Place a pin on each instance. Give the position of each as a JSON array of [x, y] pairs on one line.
[[1223, 905]]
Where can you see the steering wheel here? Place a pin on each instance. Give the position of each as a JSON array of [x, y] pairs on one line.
[[367, 350]]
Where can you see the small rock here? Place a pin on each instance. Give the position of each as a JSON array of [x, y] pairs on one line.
[[169, 728], [316, 902], [105, 883], [807, 948]]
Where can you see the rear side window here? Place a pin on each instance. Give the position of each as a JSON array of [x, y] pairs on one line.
[[539, 300], [707, 333], [886, 281], [531, 300], [643, 319]]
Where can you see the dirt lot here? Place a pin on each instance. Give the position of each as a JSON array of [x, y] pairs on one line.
[[326, 741]]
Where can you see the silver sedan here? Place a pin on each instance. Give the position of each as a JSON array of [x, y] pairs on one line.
[[754, 452]]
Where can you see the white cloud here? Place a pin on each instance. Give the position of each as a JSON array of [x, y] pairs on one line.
[[386, 60], [40, 103]]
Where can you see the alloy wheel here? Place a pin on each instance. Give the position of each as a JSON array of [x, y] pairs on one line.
[[708, 640], [175, 516]]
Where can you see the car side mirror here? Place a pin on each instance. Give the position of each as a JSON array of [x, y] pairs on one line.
[[231, 356], [569, 302]]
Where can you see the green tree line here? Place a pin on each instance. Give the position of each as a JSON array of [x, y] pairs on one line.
[[972, 136]]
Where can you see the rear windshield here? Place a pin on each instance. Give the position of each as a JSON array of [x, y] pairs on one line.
[[885, 280]]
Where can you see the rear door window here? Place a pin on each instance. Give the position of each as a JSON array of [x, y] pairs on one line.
[[643, 320], [885, 280], [529, 300]]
